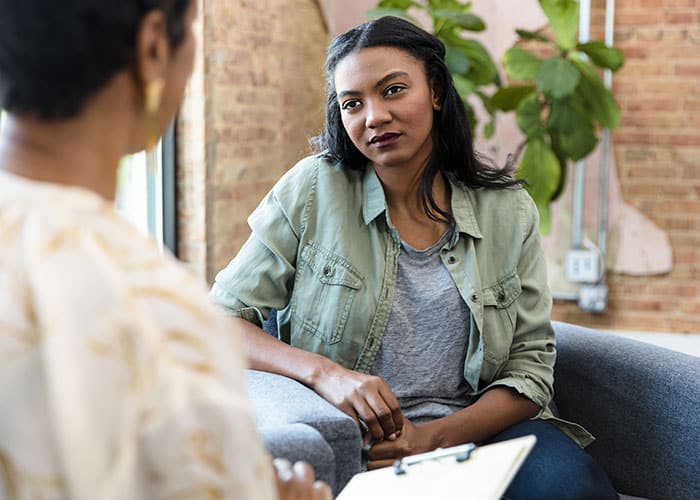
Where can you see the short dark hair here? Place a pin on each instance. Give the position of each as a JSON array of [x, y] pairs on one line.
[[54, 54], [453, 152]]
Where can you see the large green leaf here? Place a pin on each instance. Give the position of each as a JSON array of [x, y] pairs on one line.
[[532, 35], [397, 4], [482, 69], [449, 4], [541, 170], [508, 98], [563, 161], [463, 20], [528, 117], [563, 117], [557, 77], [580, 142], [456, 60], [594, 98], [602, 55], [521, 64], [563, 18], [464, 87], [381, 12], [545, 213]]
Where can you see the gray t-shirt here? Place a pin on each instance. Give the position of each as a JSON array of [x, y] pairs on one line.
[[425, 343]]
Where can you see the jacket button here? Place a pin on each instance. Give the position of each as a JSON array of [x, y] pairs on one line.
[[451, 259], [501, 296], [475, 297], [327, 271]]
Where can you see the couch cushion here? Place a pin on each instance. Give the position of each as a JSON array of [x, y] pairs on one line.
[[640, 401], [278, 401]]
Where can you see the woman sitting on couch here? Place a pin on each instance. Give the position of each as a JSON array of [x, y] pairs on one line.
[[408, 275]]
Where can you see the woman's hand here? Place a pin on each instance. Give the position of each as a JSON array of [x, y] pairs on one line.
[[363, 397], [413, 439], [297, 482]]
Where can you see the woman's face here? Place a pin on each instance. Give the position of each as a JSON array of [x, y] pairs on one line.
[[387, 104]]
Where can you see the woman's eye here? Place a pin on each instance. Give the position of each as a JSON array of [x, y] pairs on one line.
[[393, 89], [348, 105]]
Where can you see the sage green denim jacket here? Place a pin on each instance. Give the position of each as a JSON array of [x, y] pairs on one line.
[[323, 252]]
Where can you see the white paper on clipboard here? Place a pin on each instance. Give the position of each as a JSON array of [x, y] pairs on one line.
[[484, 476]]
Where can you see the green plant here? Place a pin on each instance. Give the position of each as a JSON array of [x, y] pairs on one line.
[[560, 102], [471, 65]]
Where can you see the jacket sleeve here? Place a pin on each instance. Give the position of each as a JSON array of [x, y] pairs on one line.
[[261, 276], [529, 368]]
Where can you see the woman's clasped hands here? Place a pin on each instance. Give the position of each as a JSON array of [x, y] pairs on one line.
[[368, 399], [365, 398]]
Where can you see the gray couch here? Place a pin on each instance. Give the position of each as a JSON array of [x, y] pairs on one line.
[[641, 402]]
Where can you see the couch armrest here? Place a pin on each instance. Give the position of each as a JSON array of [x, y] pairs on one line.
[[279, 401], [642, 402]]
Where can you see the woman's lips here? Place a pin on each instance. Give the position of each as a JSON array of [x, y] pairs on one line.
[[384, 140]]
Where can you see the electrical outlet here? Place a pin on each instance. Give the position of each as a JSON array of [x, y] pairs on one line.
[[582, 266], [593, 298]]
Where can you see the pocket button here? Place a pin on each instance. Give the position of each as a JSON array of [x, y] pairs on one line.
[[327, 271]]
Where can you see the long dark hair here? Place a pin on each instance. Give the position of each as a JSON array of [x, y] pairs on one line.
[[453, 152]]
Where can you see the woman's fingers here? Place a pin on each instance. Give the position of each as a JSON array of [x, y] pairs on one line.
[[378, 408], [382, 414], [297, 482], [322, 491], [368, 416], [379, 464], [395, 407]]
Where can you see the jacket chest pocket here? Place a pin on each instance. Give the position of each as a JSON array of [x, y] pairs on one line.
[[325, 286], [500, 316]]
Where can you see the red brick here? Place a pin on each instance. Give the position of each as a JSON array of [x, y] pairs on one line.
[[686, 325], [687, 69], [691, 308], [681, 17], [681, 3], [636, 17], [690, 139]]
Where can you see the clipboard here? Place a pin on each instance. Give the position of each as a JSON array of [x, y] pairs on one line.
[[459, 472]]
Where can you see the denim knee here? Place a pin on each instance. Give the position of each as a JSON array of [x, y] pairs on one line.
[[557, 468]]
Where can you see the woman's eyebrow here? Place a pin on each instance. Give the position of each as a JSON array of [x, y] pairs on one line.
[[380, 83]]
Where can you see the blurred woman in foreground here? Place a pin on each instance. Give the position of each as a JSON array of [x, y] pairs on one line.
[[118, 379]]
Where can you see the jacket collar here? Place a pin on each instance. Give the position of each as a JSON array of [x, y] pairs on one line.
[[374, 203]]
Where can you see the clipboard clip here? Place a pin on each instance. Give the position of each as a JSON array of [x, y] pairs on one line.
[[461, 454]]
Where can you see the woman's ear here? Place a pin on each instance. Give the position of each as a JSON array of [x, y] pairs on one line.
[[435, 97], [152, 51]]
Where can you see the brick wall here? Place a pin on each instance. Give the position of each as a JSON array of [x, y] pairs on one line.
[[255, 99], [657, 150]]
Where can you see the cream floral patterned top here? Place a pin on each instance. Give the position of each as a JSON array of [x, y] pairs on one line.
[[118, 379]]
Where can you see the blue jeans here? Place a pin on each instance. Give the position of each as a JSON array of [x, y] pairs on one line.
[[556, 468]]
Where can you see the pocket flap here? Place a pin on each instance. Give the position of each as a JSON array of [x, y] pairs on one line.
[[504, 292], [330, 268]]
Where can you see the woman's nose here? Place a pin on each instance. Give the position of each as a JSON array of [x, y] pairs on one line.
[[377, 114]]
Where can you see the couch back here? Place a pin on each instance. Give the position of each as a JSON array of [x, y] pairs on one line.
[[642, 402]]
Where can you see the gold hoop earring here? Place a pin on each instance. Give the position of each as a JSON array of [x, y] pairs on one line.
[[153, 95]]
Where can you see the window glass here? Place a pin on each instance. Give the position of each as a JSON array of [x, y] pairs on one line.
[[140, 194]]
